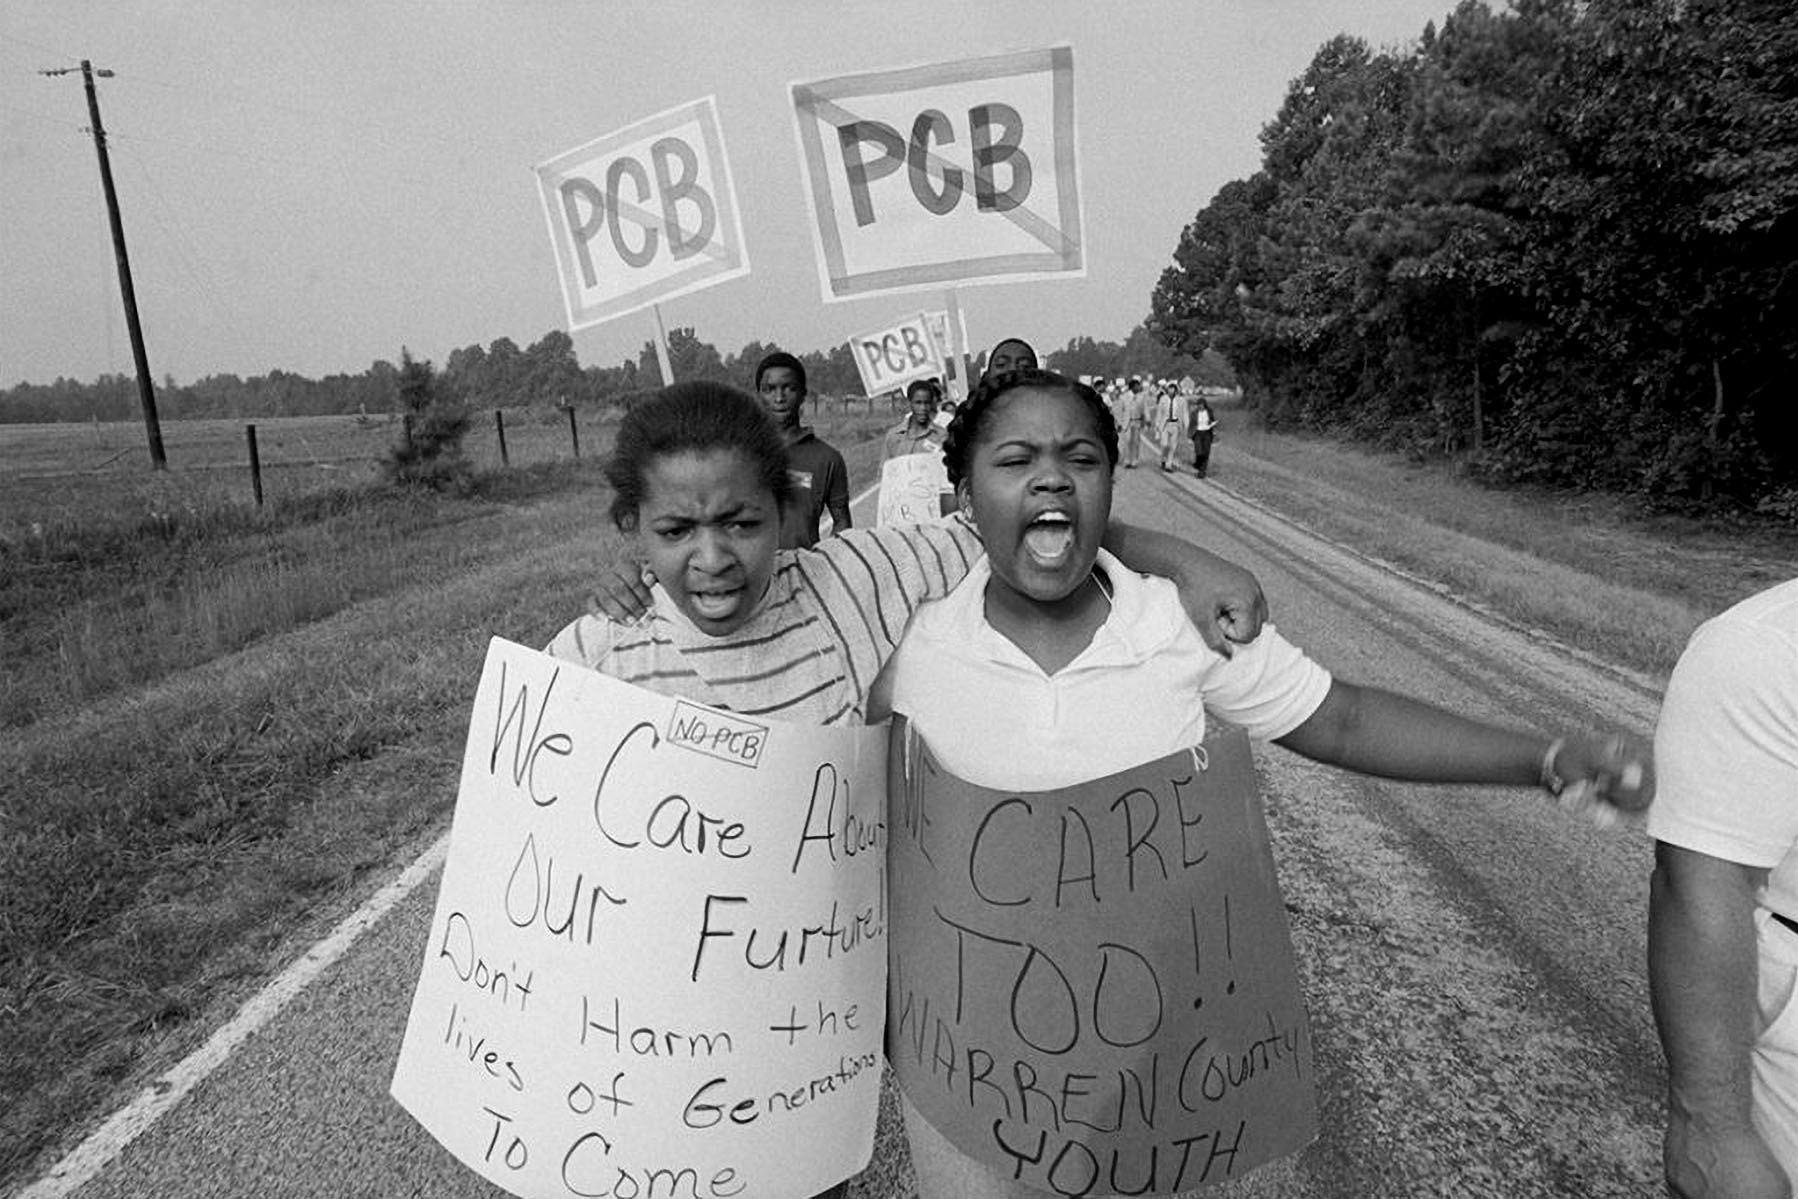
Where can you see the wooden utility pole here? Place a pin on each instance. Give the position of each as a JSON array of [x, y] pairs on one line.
[[146, 389]]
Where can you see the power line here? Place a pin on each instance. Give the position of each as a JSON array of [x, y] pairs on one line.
[[185, 254], [145, 386], [37, 46], [358, 125], [311, 164], [62, 122]]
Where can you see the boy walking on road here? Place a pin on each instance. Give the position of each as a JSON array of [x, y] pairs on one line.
[[820, 477]]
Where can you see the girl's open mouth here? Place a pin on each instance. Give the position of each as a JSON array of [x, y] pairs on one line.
[[1050, 538], [715, 605]]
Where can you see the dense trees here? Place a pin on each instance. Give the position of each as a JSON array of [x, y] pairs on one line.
[[1561, 236], [547, 373], [1144, 352]]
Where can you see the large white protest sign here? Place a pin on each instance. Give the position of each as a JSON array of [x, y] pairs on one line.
[[656, 962], [890, 357], [933, 175], [643, 214]]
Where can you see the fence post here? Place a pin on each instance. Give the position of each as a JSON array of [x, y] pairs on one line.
[[499, 424], [249, 432], [574, 432]]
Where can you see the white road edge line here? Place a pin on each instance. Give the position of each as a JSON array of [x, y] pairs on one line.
[[134, 1119]]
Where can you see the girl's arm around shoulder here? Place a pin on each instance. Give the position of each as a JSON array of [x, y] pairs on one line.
[[910, 563], [1224, 602]]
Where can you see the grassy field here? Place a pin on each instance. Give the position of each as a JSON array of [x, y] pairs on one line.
[[66, 476], [71, 475], [221, 725]]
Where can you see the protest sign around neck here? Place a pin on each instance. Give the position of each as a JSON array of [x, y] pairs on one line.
[[656, 961], [1092, 989]]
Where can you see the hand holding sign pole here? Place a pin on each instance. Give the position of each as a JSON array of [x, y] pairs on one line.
[[642, 215]]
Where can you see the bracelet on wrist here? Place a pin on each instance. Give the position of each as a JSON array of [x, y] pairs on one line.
[[1549, 777]]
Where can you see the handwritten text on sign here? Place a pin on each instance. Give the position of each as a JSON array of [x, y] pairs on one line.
[[643, 214], [953, 172], [1092, 990], [893, 356], [913, 488], [656, 960]]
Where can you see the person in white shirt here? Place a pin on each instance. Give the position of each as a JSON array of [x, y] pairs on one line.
[[1167, 423], [1723, 908], [1051, 664], [1133, 412]]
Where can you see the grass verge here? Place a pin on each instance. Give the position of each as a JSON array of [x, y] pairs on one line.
[[1591, 571]]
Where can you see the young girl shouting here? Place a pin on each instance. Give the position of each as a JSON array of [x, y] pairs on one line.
[[1079, 669]]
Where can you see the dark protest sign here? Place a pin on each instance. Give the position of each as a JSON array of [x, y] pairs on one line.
[[655, 965], [1092, 989]]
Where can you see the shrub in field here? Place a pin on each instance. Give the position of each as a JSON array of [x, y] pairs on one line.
[[429, 453]]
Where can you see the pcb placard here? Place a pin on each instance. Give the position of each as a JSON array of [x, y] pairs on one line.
[[643, 214], [656, 961], [948, 173], [1092, 989], [894, 355]]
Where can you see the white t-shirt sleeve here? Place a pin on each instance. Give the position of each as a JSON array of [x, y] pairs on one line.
[[1726, 746], [1269, 686]]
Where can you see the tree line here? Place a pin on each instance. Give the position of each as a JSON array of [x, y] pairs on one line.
[[547, 373], [500, 374], [1558, 239]]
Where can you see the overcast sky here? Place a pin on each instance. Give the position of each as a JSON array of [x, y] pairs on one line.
[[312, 185]]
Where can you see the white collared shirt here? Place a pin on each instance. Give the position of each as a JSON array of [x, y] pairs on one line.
[[1137, 693]]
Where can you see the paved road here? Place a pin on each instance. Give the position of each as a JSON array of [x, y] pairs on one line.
[[1473, 960]]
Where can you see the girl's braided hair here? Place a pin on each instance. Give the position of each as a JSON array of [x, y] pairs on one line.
[[964, 429]]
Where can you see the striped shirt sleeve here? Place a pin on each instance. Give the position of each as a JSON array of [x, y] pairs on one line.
[[587, 640], [868, 582]]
